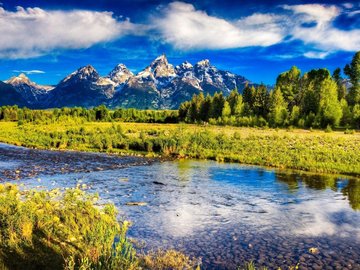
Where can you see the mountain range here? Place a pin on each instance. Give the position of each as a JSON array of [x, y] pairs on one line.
[[159, 86]]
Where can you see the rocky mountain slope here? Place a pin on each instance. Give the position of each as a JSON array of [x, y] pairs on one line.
[[160, 86]]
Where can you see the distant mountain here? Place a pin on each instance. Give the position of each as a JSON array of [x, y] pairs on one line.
[[9, 96], [84, 88], [160, 86], [34, 94]]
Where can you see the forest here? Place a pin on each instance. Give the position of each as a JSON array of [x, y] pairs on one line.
[[315, 99]]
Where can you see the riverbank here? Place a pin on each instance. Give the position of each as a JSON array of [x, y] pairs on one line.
[[314, 151]]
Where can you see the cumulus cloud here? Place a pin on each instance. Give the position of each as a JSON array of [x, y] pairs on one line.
[[187, 28], [323, 35], [29, 72], [32, 32]]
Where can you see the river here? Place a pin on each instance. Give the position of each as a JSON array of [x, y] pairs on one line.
[[224, 213]]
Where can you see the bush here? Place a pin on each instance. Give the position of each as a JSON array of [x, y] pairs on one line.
[[328, 129], [51, 230], [349, 131]]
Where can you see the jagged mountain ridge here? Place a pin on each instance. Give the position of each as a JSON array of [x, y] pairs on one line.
[[159, 86], [31, 93]]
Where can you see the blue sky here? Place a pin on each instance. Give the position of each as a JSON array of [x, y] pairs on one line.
[[49, 39]]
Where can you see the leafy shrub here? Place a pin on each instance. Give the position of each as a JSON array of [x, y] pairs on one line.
[[53, 230]]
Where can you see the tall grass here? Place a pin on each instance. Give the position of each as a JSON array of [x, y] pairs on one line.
[[65, 230]]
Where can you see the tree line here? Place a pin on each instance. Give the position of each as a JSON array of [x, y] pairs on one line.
[[100, 113], [314, 99]]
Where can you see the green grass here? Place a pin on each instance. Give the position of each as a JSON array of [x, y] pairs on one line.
[[315, 151]]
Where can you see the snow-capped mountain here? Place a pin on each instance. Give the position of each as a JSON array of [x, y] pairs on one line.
[[120, 75], [160, 85], [10, 96], [33, 93], [84, 87]]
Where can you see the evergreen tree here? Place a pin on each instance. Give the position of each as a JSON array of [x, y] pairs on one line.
[[339, 81], [353, 72], [205, 108], [217, 105], [260, 104]]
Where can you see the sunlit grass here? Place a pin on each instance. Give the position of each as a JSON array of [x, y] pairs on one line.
[[65, 230], [309, 150]]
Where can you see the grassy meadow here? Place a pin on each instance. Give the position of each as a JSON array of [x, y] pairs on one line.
[[309, 150]]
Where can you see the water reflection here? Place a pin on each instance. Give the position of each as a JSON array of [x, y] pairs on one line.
[[352, 191], [348, 187], [226, 213]]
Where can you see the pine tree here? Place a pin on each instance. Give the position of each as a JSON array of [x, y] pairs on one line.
[[353, 72], [205, 109], [339, 81], [260, 104], [217, 105]]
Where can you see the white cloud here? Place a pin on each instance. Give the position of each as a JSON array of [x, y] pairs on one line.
[[323, 35], [317, 55], [187, 28], [348, 5], [29, 72], [32, 32]]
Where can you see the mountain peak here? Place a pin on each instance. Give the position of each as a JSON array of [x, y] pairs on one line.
[[184, 66], [20, 79], [204, 63], [160, 67], [84, 73], [120, 74], [160, 60], [87, 70]]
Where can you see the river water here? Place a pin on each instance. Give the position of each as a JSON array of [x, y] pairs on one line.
[[225, 214]]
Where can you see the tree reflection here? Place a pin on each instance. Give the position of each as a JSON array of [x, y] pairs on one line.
[[352, 191], [321, 182]]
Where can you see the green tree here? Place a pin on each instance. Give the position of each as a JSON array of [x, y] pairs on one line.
[[183, 110], [289, 84], [226, 111], [277, 108], [236, 103], [217, 105], [261, 98], [310, 89], [346, 113], [101, 113], [205, 108], [248, 99], [352, 70], [356, 115], [329, 108], [339, 81]]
